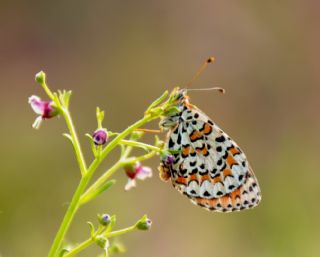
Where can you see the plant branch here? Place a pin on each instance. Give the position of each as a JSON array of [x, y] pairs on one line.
[[140, 145], [75, 141]]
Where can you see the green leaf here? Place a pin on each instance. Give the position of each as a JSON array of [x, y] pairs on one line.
[[92, 229], [68, 136], [98, 191]]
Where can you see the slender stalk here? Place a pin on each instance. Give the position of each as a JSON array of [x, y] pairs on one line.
[[120, 232], [68, 217], [87, 175], [126, 132], [85, 244], [80, 247], [140, 145], [140, 158], [75, 142], [102, 179]]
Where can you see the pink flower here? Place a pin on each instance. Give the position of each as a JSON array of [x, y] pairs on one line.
[[136, 172], [45, 110]]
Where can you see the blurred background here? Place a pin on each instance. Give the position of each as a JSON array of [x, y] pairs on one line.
[[120, 56]]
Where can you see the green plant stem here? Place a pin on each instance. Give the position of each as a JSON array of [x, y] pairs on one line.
[[87, 175], [75, 141], [147, 118], [69, 215], [120, 232], [140, 145], [100, 181], [80, 247], [85, 244]]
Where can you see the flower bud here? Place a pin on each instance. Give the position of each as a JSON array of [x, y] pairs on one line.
[[104, 219], [167, 158], [41, 77], [144, 224], [100, 136]]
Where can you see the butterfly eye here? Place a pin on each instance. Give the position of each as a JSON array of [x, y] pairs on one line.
[[181, 94]]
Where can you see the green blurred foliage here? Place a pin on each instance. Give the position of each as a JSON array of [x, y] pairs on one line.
[[120, 56]]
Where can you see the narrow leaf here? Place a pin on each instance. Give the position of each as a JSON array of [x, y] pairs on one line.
[[98, 191]]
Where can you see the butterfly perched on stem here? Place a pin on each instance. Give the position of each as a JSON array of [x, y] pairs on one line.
[[207, 165]]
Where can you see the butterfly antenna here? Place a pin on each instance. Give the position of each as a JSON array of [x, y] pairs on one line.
[[220, 89], [201, 69]]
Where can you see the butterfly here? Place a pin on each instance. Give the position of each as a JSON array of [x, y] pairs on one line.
[[207, 165]]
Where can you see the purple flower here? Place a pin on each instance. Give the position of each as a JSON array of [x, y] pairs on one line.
[[168, 159], [45, 110], [100, 136], [136, 172]]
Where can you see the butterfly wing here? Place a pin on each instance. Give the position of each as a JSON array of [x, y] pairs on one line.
[[209, 167]]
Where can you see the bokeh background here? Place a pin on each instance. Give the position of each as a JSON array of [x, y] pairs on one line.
[[121, 55]]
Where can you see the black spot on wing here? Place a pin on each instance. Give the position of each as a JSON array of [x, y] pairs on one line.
[[171, 143], [220, 139], [179, 139]]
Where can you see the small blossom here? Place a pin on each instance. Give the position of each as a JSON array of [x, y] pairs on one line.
[[100, 136], [45, 110], [136, 172]]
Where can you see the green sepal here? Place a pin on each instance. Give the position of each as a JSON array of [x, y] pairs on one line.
[[64, 97], [98, 191], [144, 223], [93, 146], [100, 117]]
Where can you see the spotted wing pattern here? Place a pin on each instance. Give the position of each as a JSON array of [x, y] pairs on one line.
[[209, 167]]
